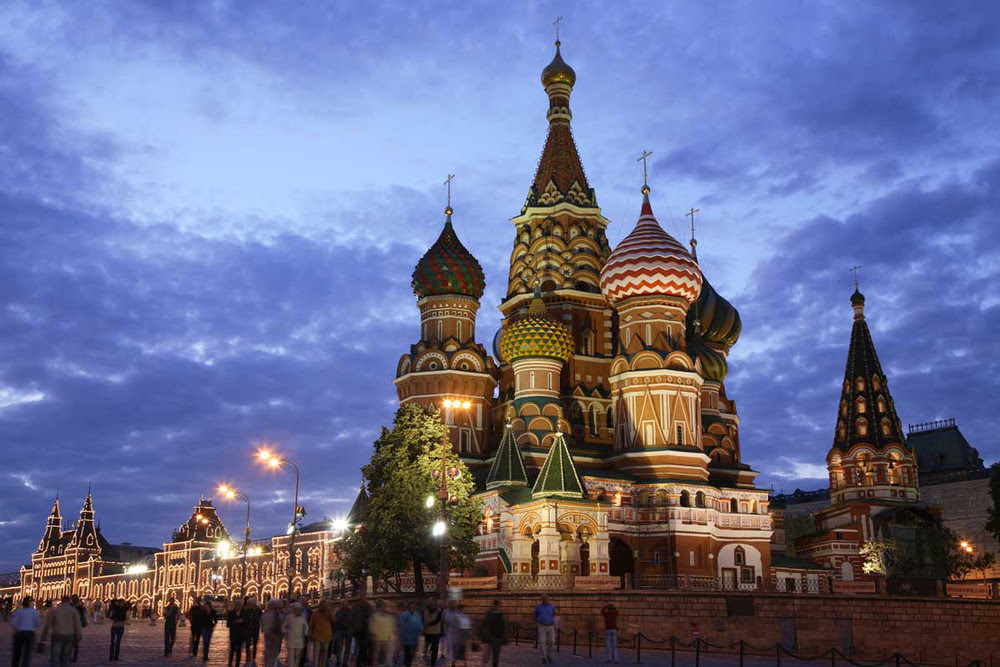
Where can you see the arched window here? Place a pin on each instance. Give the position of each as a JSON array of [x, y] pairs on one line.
[[594, 416], [880, 404], [886, 426], [876, 383], [860, 405], [861, 426], [734, 506], [841, 431], [699, 499], [859, 383], [740, 556], [843, 408], [685, 499]]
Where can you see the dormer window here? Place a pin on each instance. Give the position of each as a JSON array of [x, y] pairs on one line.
[[861, 427], [860, 405], [841, 431], [859, 383], [876, 383], [880, 404], [886, 427], [843, 408]]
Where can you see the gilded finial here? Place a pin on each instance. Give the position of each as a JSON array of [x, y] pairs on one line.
[[447, 182], [694, 241], [645, 174]]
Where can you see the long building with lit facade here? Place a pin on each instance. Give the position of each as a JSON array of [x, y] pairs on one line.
[[200, 559], [600, 429]]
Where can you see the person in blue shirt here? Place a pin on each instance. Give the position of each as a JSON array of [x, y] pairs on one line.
[[25, 623], [411, 626], [545, 618]]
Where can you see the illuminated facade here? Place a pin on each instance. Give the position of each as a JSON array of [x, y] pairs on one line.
[[200, 559], [600, 430]]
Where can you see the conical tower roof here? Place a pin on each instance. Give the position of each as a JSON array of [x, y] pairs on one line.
[[558, 476], [53, 530], [866, 413], [356, 515], [85, 536], [508, 466]]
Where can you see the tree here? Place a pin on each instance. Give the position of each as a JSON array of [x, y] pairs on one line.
[[993, 525], [395, 536], [877, 556], [796, 526], [983, 562]]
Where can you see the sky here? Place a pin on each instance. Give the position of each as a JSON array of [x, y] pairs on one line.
[[209, 213]]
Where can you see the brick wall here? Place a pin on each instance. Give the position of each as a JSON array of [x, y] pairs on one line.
[[916, 627]]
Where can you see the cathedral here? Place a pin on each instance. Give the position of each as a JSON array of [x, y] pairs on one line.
[[600, 430]]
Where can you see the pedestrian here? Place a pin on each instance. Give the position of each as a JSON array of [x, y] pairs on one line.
[[342, 634], [296, 633], [321, 624], [545, 620], [236, 621], [117, 613], [271, 624], [360, 619], [383, 635], [252, 611], [209, 619], [306, 614], [25, 623], [610, 614], [464, 632], [432, 632], [411, 626], [64, 624], [98, 615], [494, 633], [196, 619], [82, 611], [171, 614], [449, 626]]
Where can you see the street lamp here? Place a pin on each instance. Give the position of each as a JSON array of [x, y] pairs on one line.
[[440, 528], [273, 461], [233, 494]]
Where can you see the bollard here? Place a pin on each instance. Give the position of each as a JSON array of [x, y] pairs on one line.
[[673, 653], [897, 660], [590, 644], [558, 639], [574, 641], [833, 657], [517, 633], [638, 647], [741, 653], [697, 651], [777, 655]]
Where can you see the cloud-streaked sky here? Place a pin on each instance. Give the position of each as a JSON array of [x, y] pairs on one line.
[[209, 212]]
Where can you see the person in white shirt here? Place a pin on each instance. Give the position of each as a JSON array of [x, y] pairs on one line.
[[24, 622]]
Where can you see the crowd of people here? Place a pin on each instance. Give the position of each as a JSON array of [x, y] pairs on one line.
[[314, 634]]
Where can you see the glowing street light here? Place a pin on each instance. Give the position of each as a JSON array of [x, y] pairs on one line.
[[232, 494], [440, 527], [273, 461], [430, 502], [340, 525]]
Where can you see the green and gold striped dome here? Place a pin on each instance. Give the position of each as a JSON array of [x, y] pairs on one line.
[[536, 336], [710, 363]]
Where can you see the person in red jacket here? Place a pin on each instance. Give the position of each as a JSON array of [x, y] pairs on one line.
[[610, 614]]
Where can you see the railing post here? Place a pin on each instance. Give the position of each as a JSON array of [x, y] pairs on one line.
[[897, 660], [590, 644], [574, 641], [638, 647], [741, 653], [833, 657], [558, 639], [697, 651], [673, 653], [777, 655]]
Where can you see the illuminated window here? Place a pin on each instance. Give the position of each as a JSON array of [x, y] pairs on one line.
[[886, 427], [860, 406], [861, 426], [859, 383]]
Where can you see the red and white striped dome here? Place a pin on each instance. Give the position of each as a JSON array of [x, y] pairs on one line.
[[650, 262]]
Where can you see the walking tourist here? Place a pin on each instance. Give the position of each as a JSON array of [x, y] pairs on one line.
[[545, 620], [82, 611], [432, 632], [117, 613], [25, 623], [296, 633], [411, 626], [342, 634], [98, 615], [196, 619], [306, 614], [208, 620], [236, 621], [449, 628], [494, 633], [610, 614], [252, 612], [463, 633], [360, 619], [321, 624], [64, 624], [271, 625], [383, 635], [171, 614]]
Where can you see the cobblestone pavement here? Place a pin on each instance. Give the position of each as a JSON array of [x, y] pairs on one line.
[[143, 645]]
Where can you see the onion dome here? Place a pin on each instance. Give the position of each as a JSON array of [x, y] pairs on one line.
[[720, 321], [448, 268], [536, 336], [710, 363], [650, 262], [558, 71]]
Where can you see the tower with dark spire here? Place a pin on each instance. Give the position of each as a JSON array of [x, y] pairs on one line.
[[52, 538], [85, 537], [869, 457]]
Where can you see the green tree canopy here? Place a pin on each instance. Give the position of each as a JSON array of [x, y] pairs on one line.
[[395, 537]]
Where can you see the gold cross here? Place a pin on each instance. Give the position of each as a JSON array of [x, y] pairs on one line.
[[447, 182], [690, 214], [556, 24], [857, 269], [645, 176]]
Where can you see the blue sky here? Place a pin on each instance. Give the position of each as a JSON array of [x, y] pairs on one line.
[[209, 212]]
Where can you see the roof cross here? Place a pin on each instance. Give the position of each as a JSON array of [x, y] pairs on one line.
[[645, 174], [447, 183], [690, 214], [857, 270], [556, 24]]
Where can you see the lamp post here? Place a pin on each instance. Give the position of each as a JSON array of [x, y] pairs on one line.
[[441, 527], [233, 494], [273, 461]]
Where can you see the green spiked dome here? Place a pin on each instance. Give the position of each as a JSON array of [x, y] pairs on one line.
[[508, 467], [558, 476], [448, 268], [720, 321], [536, 336], [711, 363]]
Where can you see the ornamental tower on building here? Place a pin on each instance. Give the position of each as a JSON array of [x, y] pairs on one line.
[[612, 447]]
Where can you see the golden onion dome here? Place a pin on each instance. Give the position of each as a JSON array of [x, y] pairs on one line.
[[558, 71], [536, 336]]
